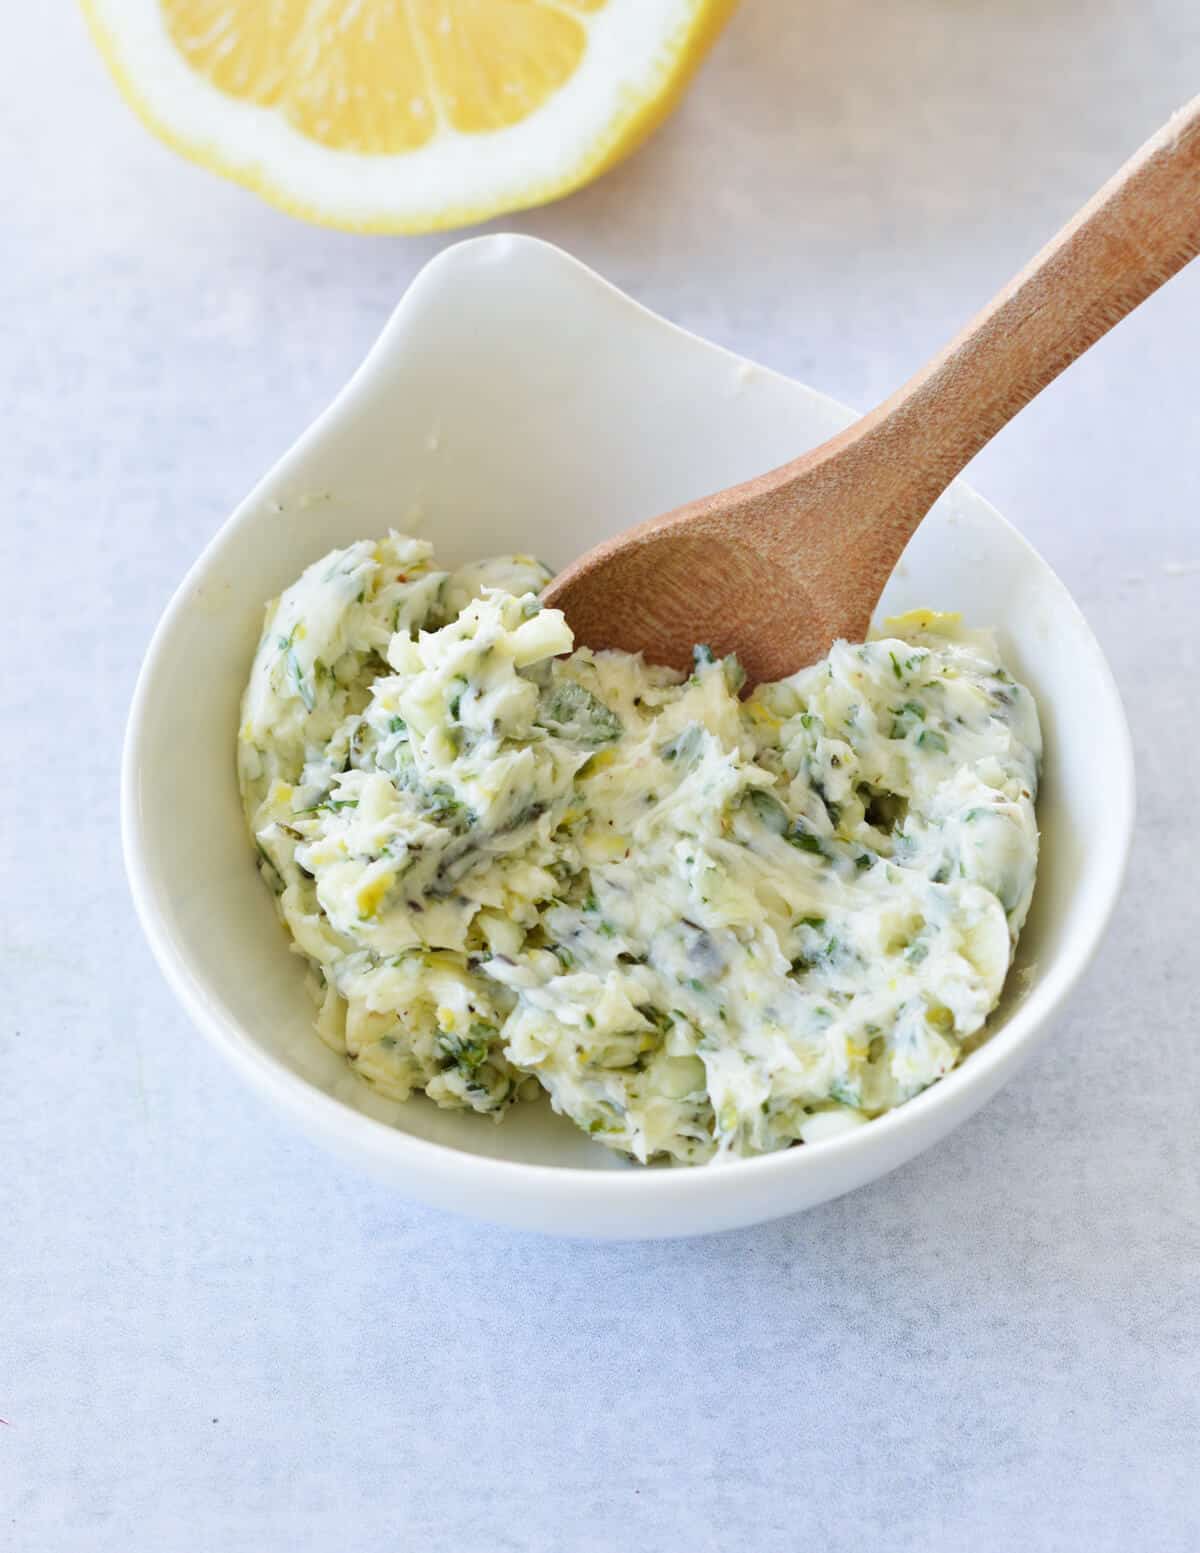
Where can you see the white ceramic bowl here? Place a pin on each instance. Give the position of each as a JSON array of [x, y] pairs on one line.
[[517, 402]]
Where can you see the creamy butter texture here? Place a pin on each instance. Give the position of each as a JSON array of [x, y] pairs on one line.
[[704, 926]]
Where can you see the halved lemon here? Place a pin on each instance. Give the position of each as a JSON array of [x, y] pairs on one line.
[[404, 115]]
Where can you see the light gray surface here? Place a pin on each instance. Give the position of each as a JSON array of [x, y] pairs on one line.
[[214, 1338]]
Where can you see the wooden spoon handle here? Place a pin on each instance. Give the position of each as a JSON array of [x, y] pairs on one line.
[[1133, 235]]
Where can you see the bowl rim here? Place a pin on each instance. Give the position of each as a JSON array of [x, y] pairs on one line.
[[354, 1129]]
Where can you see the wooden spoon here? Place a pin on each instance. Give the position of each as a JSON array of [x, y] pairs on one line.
[[780, 567]]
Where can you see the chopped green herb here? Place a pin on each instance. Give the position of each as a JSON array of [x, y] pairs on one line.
[[303, 689], [800, 836], [576, 715], [768, 809], [684, 746]]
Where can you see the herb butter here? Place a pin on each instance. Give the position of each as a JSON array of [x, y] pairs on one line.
[[703, 926]]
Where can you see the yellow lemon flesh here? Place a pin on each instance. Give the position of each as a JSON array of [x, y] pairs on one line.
[[404, 115]]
